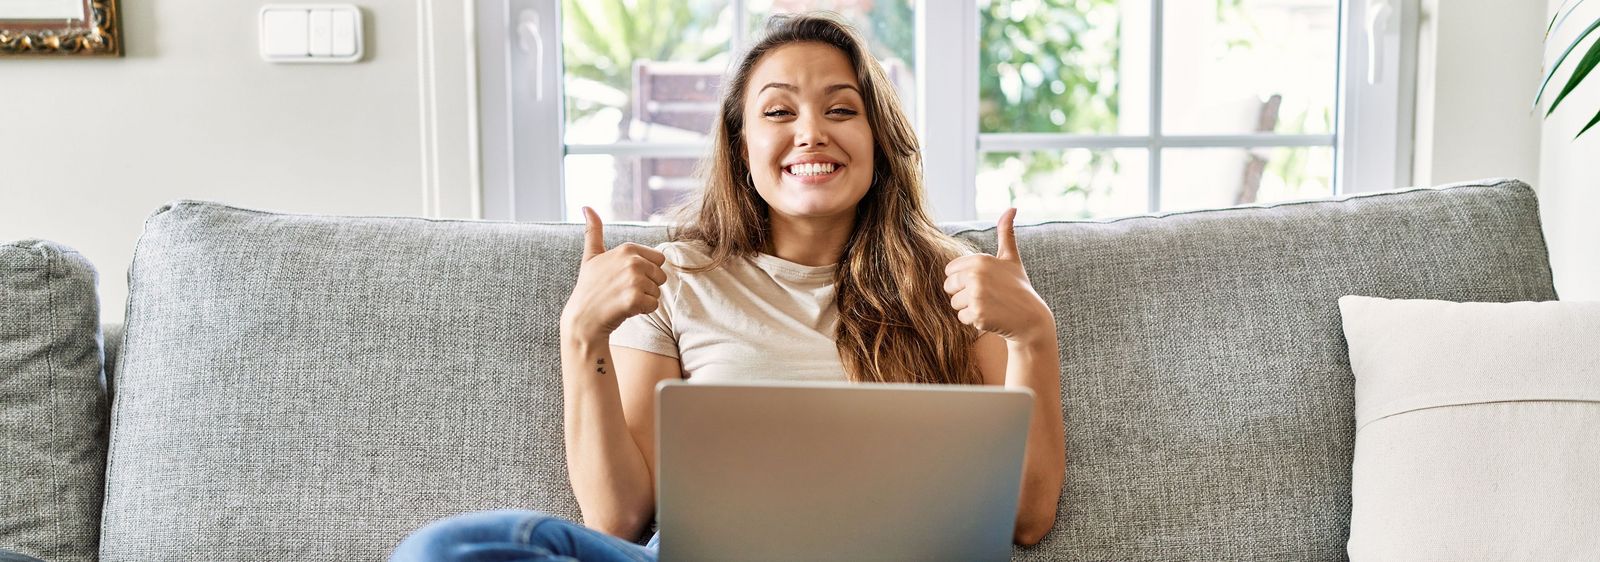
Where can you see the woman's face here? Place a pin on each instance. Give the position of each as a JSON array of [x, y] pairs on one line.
[[806, 137]]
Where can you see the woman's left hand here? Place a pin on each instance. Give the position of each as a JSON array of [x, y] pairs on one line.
[[993, 294]]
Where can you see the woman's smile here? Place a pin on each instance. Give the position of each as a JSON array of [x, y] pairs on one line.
[[812, 172]]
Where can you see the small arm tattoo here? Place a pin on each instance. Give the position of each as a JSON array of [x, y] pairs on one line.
[[601, 369]]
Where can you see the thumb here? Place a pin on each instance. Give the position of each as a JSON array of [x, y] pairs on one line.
[[1006, 237], [594, 238]]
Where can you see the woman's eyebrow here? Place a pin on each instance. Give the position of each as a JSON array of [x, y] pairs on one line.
[[779, 85], [795, 89], [837, 87]]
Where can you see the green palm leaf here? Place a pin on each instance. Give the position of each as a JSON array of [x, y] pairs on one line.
[[622, 33], [1555, 21], [1586, 127], [1552, 73], [1586, 64]]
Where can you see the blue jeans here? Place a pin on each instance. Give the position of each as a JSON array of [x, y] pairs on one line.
[[516, 535]]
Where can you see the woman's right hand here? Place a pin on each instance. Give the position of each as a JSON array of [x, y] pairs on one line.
[[613, 285]]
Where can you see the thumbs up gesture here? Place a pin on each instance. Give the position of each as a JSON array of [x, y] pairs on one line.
[[613, 285], [993, 294]]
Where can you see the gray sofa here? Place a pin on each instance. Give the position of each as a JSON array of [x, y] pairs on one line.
[[295, 387]]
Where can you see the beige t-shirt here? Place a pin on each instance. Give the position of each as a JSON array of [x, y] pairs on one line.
[[763, 318]]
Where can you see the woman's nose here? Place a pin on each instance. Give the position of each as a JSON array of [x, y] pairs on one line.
[[810, 131]]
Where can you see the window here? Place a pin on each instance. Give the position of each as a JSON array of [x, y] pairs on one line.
[[642, 86], [1066, 108]]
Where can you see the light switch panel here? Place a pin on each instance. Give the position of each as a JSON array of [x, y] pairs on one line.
[[311, 33], [283, 33], [321, 33], [344, 33]]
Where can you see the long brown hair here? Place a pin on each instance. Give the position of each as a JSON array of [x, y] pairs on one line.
[[895, 322]]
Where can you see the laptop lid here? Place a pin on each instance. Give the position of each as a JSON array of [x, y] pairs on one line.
[[838, 471]]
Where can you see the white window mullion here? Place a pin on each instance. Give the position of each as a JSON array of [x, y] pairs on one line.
[[521, 101], [1375, 103], [643, 149], [1023, 142], [947, 108], [1157, 16], [740, 39]]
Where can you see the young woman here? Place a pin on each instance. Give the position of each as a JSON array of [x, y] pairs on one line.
[[809, 256]]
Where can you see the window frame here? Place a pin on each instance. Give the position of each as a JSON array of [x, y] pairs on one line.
[[523, 134]]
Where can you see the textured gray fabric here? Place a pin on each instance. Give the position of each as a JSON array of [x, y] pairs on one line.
[[312, 388], [1206, 382], [52, 409], [111, 349]]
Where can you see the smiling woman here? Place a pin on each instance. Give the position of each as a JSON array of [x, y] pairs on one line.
[[60, 27], [809, 254]]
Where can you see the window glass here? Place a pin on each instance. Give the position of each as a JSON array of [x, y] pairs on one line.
[[1246, 66], [889, 26], [651, 72], [1058, 66], [631, 188], [643, 71], [1063, 184], [1200, 178]]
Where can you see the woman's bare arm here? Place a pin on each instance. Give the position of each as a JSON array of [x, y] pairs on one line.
[[1045, 460], [610, 432], [1018, 349], [641, 371], [611, 474]]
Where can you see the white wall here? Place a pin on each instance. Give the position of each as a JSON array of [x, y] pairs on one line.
[[1476, 71], [1569, 194], [89, 147], [1479, 62]]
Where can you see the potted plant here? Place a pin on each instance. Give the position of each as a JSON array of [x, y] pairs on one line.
[[1590, 59]]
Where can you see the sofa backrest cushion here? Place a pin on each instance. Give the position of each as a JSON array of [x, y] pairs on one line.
[[1206, 382], [313, 388], [52, 408]]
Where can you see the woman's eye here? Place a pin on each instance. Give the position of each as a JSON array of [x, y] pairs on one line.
[[777, 113], [842, 111]]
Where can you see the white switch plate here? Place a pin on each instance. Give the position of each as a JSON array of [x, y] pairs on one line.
[[321, 31], [311, 33], [283, 33]]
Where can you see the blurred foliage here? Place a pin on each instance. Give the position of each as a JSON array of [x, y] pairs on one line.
[[1288, 165], [1048, 66], [1051, 71], [603, 38], [1054, 70], [889, 26]]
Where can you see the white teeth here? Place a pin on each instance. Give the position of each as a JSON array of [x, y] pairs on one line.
[[815, 169]]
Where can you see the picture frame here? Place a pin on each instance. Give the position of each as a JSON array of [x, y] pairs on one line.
[[53, 28]]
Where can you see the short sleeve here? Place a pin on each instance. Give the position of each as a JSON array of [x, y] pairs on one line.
[[652, 332]]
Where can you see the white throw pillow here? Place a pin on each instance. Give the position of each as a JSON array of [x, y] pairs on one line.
[[1477, 430]]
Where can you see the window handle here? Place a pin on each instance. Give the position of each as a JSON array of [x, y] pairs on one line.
[[530, 40], [1379, 12]]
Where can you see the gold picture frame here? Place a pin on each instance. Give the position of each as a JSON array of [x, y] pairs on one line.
[[98, 33]]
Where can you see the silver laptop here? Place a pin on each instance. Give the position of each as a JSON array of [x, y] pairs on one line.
[[769, 471]]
